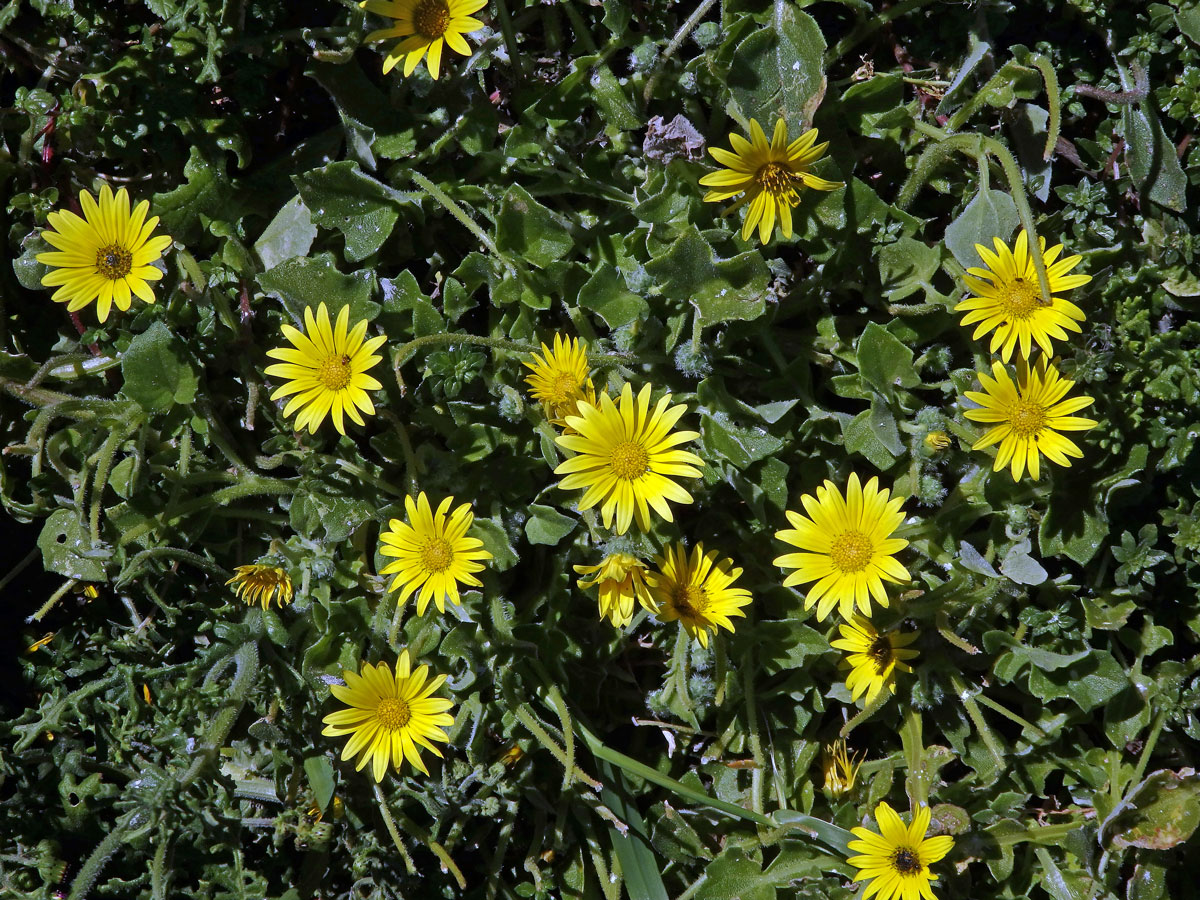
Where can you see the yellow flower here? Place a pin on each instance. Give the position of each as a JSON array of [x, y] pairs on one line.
[[622, 579], [1008, 299], [840, 768], [1027, 416], [389, 718], [937, 440], [433, 552], [425, 26], [897, 860], [262, 584], [847, 546], [327, 370], [625, 458], [696, 591], [561, 378], [106, 256], [873, 658], [771, 176]]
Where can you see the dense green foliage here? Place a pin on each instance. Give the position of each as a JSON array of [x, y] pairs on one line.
[[1051, 720]]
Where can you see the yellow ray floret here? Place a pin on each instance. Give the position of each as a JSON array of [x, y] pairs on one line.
[[326, 370], [846, 546], [389, 719], [424, 26], [896, 861], [872, 658], [769, 175], [262, 584], [433, 552], [697, 591], [626, 458], [622, 581], [561, 378], [840, 767], [105, 256], [1008, 300], [1026, 417]]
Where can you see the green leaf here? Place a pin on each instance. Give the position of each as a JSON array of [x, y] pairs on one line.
[[907, 266], [206, 195], [1020, 567], [1092, 681], [1153, 165], [529, 231], [866, 103], [68, 550], [156, 370], [309, 281], [496, 542], [990, 214], [606, 295], [289, 234], [884, 362], [784, 645], [1160, 813], [547, 525], [639, 865], [739, 446], [874, 434], [320, 779], [343, 197], [778, 71], [722, 290]]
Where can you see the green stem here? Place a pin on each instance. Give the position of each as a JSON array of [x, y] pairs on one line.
[[1144, 760], [543, 737], [459, 213], [250, 486], [1053, 102], [643, 771], [870, 26], [54, 598], [688, 26], [1016, 187], [1010, 715], [865, 713], [755, 741], [510, 38], [985, 731], [390, 823]]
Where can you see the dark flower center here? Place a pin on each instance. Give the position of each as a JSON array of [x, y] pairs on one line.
[[114, 262]]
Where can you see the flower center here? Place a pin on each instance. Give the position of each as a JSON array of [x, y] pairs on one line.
[[629, 460], [431, 18], [437, 555], [114, 262], [779, 181], [1019, 298], [906, 862], [880, 652], [851, 551], [334, 372], [1026, 418], [392, 714], [689, 599], [562, 389]]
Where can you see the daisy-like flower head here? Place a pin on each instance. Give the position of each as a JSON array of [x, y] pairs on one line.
[[873, 658], [622, 580], [626, 457], [433, 552], [425, 26], [262, 584], [326, 370], [1026, 417], [897, 860], [847, 546], [697, 591], [106, 256], [561, 378], [1009, 300], [770, 175], [389, 717], [841, 769]]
